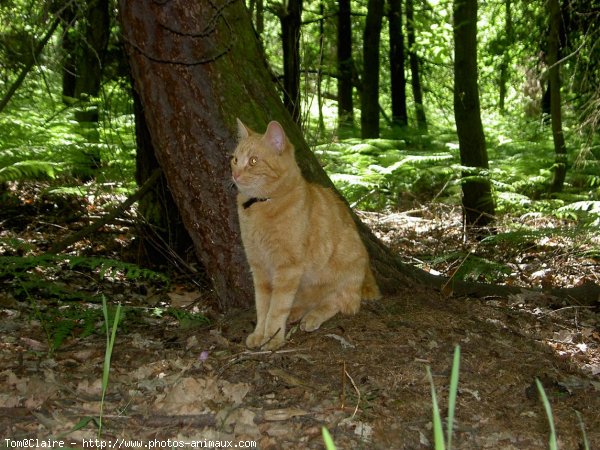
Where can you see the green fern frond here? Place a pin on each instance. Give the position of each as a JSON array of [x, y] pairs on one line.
[[15, 265], [29, 170], [588, 206]]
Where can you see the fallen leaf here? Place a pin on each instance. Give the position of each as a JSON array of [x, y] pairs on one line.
[[276, 415]]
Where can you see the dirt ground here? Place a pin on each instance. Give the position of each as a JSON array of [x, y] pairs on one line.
[[362, 377]]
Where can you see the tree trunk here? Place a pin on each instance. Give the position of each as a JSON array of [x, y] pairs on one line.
[[89, 39], [259, 21], [290, 18], [90, 58], [345, 66], [503, 77], [320, 68], [417, 91], [398, 80], [69, 53], [369, 117], [560, 162], [478, 204], [163, 237]]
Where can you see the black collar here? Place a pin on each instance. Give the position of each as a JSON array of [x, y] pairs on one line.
[[251, 201]]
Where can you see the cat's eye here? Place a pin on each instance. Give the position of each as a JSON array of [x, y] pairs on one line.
[[253, 160], [234, 159]]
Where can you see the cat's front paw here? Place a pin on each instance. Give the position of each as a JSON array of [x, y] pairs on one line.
[[274, 343], [254, 340]]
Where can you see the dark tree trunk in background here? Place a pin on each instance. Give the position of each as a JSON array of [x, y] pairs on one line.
[[69, 53], [560, 163], [258, 7], [398, 79], [92, 34], [164, 239], [415, 80], [260, 17], [90, 59], [345, 66], [194, 77], [290, 18], [369, 117], [478, 202], [320, 68], [503, 77]]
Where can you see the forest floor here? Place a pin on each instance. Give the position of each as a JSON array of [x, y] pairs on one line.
[[363, 377]]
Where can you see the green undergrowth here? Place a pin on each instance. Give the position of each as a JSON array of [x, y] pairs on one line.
[[64, 322], [69, 278], [378, 174], [65, 294], [40, 138], [408, 170]]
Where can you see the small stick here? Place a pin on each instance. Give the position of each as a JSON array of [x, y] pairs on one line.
[[343, 385], [356, 389]]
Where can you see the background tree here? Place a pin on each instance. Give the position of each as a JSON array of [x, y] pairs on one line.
[[258, 7], [290, 15], [505, 55], [413, 58], [345, 65], [478, 203], [398, 79], [560, 164], [369, 115]]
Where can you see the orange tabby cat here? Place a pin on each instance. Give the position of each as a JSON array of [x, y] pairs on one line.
[[307, 259]]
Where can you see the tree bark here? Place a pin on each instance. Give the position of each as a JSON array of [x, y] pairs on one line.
[[414, 62], [369, 117], [92, 47], [163, 237], [290, 18], [345, 66], [560, 149], [398, 79], [478, 204]]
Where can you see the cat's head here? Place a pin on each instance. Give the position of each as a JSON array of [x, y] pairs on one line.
[[261, 163]]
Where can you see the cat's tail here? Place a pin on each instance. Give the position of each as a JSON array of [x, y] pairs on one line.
[[370, 290]]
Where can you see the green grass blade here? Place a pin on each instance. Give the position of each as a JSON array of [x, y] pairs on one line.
[[110, 342], [452, 394], [329, 445], [552, 445], [438, 432], [586, 444]]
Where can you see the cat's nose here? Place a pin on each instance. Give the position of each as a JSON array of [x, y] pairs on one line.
[[236, 175]]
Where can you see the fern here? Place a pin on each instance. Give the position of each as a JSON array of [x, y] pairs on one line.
[[29, 170], [42, 275], [11, 265], [473, 267]]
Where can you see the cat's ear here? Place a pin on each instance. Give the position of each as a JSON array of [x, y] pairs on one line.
[[243, 131], [275, 136]]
